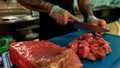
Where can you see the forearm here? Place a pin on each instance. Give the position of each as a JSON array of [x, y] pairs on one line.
[[37, 5], [85, 8]]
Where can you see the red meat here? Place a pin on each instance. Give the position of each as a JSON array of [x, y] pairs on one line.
[[83, 49], [74, 45], [91, 48], [87, 37], [42, 54], [90, 56]]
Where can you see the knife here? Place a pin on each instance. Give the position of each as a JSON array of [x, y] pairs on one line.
[[88, 27]]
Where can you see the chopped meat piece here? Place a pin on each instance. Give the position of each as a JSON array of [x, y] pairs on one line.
[[74, 45], [87, 37], [106, 48], [83, 49], [99, 54], [90, 56]]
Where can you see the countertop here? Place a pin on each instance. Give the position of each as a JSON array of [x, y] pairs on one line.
[[114, 27], [16, 18]]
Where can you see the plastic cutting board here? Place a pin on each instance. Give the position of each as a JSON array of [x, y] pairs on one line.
[[110, 61]]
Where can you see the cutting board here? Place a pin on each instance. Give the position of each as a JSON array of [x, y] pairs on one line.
[[110, 61]]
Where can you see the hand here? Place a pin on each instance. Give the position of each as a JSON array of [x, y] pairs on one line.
[[98, 22], [62, 16]]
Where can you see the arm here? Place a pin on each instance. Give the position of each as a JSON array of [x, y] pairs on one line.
[[37, 5], [60, 15], [85, 8]]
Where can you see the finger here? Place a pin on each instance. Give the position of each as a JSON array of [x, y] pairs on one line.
[[74, 18], [61, 20], [58, 20], [65, 18], [102, 23], [101, 33]]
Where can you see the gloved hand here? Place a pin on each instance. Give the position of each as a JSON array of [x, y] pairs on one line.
[[62, 16], [98, 22]]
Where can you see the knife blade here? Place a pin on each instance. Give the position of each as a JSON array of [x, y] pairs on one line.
[[89, 27]]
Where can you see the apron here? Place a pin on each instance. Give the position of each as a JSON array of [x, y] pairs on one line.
[[49, 28]]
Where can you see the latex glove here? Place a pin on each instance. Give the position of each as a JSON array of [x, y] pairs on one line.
[[62, 16], [98, 22]]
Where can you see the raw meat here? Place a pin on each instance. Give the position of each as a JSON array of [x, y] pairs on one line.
[[42, 54], [83, 49], [90, 48]]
